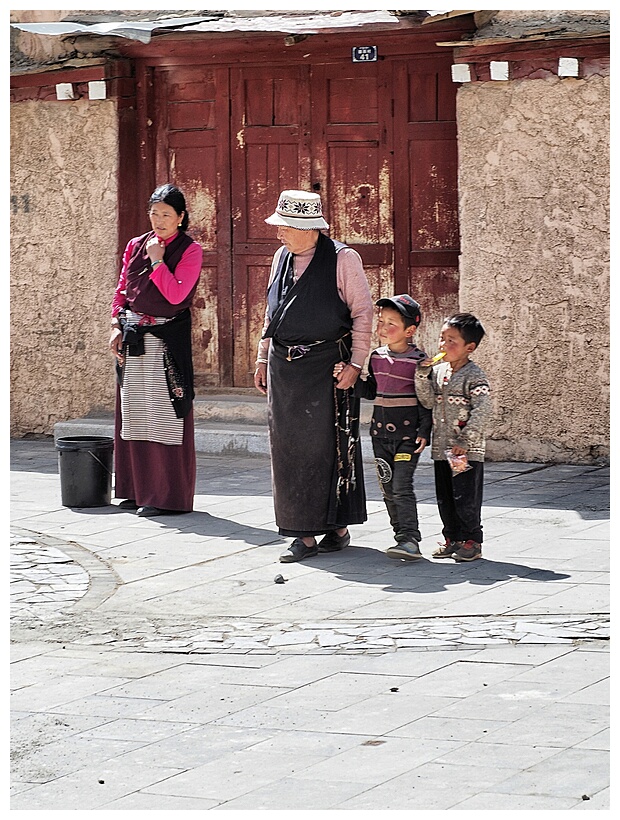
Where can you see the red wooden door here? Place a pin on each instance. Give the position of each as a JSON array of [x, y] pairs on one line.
[[270, 137], [377, 140]]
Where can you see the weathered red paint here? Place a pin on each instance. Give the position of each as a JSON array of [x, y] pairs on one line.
[[237, 119]]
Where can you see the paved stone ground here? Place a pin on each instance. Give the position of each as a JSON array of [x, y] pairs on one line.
[[158, 665]]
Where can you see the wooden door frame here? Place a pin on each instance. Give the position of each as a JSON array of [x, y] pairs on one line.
[[406, 260]]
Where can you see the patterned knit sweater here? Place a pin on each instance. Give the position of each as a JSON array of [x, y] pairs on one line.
[[461, 405]]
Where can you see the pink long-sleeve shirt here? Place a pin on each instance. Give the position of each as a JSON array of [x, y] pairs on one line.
[[353, 290], [175, 287]]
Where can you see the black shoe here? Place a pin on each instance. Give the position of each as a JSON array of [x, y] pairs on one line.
[[332, 542], [128, 504], [298, 551]]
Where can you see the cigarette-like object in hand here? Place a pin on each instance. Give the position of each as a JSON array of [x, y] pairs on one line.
[[438, 357]]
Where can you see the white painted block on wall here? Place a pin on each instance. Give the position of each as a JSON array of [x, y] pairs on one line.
[[64, 91], [499, 70], [461, 73], [96, 90], [568, 67]]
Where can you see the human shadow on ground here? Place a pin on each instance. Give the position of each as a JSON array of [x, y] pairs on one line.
[[365, 565], [197, 522]]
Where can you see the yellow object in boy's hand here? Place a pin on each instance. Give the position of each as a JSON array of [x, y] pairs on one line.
[[435, 360]]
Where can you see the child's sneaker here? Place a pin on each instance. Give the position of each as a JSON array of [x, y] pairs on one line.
[[448, 549], [409, 550], [469, 551]]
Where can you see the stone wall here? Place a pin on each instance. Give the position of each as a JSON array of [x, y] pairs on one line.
[[64, 260], [534, 211]]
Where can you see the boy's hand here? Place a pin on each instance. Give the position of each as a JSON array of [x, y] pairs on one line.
[[458, 451], [421, 442], [430, 362]]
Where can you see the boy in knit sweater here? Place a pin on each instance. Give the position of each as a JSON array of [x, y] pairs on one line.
[[457, 391], [400, 428]]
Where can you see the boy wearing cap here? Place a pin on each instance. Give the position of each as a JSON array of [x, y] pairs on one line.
[[400, 427]]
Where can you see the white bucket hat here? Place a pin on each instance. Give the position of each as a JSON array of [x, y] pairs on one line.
[[299, 209]]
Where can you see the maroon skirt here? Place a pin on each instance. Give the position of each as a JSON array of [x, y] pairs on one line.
[[153, 474]]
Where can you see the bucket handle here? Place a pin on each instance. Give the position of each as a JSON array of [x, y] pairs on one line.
[[90, 452]]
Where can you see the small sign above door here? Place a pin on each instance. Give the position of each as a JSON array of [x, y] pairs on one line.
[[364, 54]]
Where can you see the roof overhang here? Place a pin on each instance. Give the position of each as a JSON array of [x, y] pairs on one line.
[[142, 31]]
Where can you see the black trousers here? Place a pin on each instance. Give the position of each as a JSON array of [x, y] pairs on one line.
[[396, 462], [459, 499]]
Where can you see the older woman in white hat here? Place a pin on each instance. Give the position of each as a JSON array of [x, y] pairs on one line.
[[319, 312]]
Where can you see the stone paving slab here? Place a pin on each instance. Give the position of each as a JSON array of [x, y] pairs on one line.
[[157, 666], [390, 715]]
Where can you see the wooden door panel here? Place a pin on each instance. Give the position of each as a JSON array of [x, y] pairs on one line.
[[434, 217], [190, 156], [270, 152], [270, 168], [352, 162], [425, 190]]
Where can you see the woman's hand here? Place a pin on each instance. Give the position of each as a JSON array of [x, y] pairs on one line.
[[155, 249], [116, 344], [346, 377], [260, 377]]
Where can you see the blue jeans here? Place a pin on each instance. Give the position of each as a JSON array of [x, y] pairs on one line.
[[396, 461]]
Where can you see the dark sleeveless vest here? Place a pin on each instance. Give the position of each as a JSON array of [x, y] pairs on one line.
[[312, 309], [143, 295]]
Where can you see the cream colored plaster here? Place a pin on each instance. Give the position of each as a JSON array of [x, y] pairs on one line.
[[534, 210], [64, 260]]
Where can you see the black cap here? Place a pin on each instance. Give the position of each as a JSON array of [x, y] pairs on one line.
[[405, 304]]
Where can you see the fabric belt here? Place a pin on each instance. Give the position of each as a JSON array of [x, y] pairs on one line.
[[301, 350]]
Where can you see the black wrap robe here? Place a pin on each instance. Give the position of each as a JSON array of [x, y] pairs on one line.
[[317, 471]]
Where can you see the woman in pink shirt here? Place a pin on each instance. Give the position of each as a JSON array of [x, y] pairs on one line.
[[154, 455]]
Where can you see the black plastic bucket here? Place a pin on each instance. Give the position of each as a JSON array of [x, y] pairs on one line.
[[85, 467]]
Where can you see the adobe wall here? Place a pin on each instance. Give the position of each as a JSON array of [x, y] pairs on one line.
[[63, 244], [534, 211]]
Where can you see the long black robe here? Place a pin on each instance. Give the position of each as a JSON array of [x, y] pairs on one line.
[[317, 472]]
